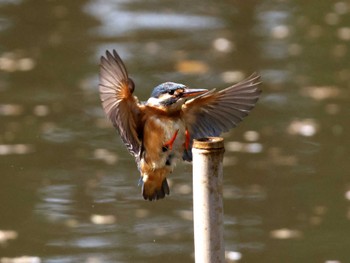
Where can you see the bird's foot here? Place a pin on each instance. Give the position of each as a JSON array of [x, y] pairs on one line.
[[169, 144]]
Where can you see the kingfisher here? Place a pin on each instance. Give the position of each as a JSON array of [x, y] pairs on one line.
[[160, 131]]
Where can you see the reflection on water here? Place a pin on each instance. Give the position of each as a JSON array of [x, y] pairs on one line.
[[118, 20], [69, 188]]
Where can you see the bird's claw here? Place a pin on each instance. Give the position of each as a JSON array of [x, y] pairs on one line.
[[169, 144]]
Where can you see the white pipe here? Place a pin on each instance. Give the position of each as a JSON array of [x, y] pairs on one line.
[[207, 200]]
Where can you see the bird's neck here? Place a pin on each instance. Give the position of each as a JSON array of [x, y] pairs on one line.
[[163, 111]]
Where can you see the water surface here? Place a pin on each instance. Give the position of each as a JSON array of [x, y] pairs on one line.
[[68, 186]]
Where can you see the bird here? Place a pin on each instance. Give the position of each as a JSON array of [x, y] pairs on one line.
[[159, 132]]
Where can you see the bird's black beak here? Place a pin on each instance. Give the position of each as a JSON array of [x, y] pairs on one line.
[[193, 92]]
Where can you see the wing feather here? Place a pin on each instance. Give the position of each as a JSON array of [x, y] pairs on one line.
[[121, 107], [216, 112]]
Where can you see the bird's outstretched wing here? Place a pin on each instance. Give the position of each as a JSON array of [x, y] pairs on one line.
[[121, 107], [216, 112]]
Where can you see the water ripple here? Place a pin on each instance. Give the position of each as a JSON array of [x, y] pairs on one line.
[[116, 21]]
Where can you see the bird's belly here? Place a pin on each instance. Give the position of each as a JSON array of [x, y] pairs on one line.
[[157, 133], [170, 128]]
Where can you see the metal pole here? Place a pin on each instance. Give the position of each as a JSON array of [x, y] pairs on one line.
[[207, 200]]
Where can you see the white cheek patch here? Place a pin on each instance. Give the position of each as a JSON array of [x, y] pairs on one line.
[[153, 101]]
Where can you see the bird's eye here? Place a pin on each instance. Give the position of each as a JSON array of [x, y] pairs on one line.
[[171, 92]]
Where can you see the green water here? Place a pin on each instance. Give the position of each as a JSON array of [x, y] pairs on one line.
[[68, 189]]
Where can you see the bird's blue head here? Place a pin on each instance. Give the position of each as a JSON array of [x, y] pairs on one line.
[[170, 93], [166, 88]]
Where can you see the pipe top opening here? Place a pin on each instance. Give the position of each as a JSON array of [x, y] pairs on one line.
[[208, 143]]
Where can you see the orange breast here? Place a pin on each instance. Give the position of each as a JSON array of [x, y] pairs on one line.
[[159, 129], [153, 140]]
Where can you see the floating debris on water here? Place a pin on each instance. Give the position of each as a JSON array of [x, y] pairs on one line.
[[6, 149], [6, 235], [344, 33], [280, 32], [320, 92], [105, 155], [11, 109], [244, 147], [285, 233], [232, 76], [24, 259], [192, 67], [251, 136], [306, 127], [11, 62], [41, 110], [223, 45], [233, 256], [103, 219], [185, 214]]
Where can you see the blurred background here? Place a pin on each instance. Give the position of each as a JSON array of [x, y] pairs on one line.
[[68, 189]]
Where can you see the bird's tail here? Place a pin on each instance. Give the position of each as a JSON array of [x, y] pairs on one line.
[[154, 186]]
